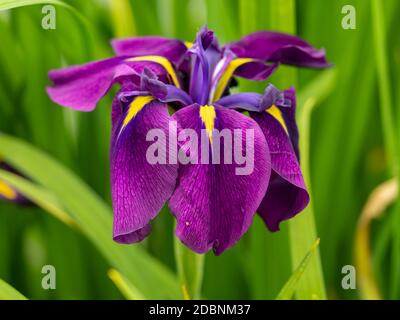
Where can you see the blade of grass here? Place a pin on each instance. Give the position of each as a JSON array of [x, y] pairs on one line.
[[290, 287], [12, 4], [93, 217], [387, 116], [38, 195], [377, 203], [302, 228], [386, 106], [7, 292], [124, 285], [122, 17]]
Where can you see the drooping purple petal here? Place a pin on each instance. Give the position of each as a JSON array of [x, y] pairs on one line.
[[171, 49], [81, 87], [139, 187], [287, 194], [280, 48], [213, 205], [256, 70]]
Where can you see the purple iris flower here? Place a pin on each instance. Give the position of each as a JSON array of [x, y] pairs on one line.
[[212, 204], [8, 192]]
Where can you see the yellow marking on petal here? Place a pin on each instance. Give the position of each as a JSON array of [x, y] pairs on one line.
[[162, 61], [136, 105], [207, 115], [277, 114], [7, 192], [227, 75], [188, 44]]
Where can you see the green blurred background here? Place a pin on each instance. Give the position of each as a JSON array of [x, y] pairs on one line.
[[353, 122]]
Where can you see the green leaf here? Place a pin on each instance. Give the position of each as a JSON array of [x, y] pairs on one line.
[[11, 4], [7, 292], [122, 17], [290, 286], [386, 105], [86, 27], [302, 228], [93, 217], [190, 270], [38, 195], [129, 291]]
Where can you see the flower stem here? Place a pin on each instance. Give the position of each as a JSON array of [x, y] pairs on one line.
[[190, 270]]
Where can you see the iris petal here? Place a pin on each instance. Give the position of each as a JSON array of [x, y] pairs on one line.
[[81, 87], [171, 49], [8, 192], [230, 65], [213, 205], [287, 194], [279, 48], [139, 188]]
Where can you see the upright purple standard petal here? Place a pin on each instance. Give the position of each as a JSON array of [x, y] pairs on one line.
[[171, 49], [213, 204], [205, 55], [279, 48], [139, 188], [287, 194]]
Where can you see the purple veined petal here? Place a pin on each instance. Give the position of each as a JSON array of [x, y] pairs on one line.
[[139, 188], [280, 48], [287, 194], [256, 70], [213, 205], [172, 49], [81, 87]]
